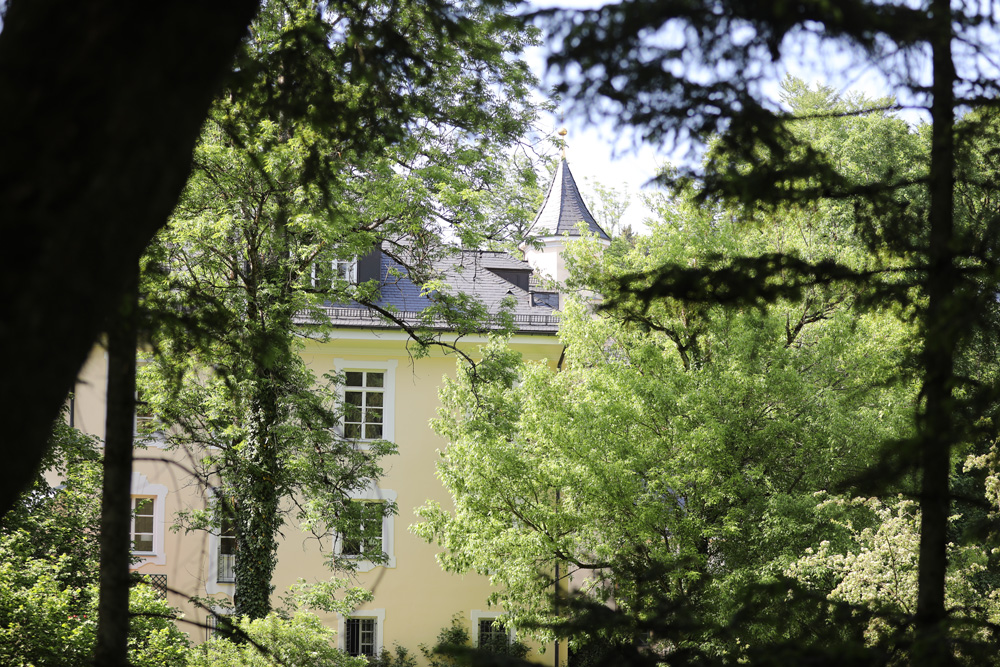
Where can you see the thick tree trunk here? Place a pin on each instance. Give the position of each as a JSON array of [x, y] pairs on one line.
[[116, 506], [941, 335], [257, 486], [103, 106], [258, 518]]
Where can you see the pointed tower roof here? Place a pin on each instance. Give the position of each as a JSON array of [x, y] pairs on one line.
[[563, 208]]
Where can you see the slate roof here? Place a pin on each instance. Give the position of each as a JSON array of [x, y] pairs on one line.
[[468, 272], [488, 276], [564, 208]]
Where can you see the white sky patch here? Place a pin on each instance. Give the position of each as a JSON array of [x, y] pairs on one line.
[[598, 151]]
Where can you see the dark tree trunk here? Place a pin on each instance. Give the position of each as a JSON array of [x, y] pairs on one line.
[[116, 506], [103, 106], [941, 336]]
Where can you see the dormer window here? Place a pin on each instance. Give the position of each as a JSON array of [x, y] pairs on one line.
[[326, 274], [518, 277]]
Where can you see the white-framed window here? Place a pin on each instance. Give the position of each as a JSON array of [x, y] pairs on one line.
[[143, 413], [366, 518], [374, 531], [360, 636], [326, 273], [218, 623], [221, 574], [143, 516], [368, 397], [364, 404], [225, 571], [148, 520], [144, 418], [491, 632], [361, 633], [486, 630]]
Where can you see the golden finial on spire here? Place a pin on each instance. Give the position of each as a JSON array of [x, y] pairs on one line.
[[562, 133]]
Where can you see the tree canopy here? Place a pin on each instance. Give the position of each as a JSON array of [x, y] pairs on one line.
[[691, 70], [282, 208], [704, 436], [49, 576]]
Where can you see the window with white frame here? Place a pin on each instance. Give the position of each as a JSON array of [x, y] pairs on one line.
[[364, 538], [226, 565], [488, 633], [325, 274], [221, 573], [143, 517], [361, 633], [219, 623], [148, 520], [492, 633], [364, 404], [368, 536], [360, 639], [143, 412], [368, 397]]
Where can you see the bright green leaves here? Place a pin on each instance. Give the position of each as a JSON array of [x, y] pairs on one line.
[[362, 530], [301, 640], [682, 439], [49, 571], [342, 126]]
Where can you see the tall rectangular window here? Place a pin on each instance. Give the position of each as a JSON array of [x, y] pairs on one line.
[[142, 524], [227, 552], [143, 412], [218, 624], [346, 270], [363, 536], [360, 636], [364, 404]]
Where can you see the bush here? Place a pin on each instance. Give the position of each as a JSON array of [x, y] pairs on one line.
[[398, 658], [454, 648], [153, 637], [302, 641], [45, 622], [42, 621]]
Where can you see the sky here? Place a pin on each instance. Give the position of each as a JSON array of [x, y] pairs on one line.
[[599, 152]]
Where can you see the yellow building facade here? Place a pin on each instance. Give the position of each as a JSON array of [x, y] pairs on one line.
[[414, 599]]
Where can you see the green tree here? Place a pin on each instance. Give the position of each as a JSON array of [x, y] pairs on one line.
[[60, 523], [301, 640], [878, 570], [608, 205], [280, 206], [676, 455], [49, 572], [686, 71]]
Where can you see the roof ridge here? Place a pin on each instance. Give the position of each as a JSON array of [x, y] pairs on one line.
[[483, 252]]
